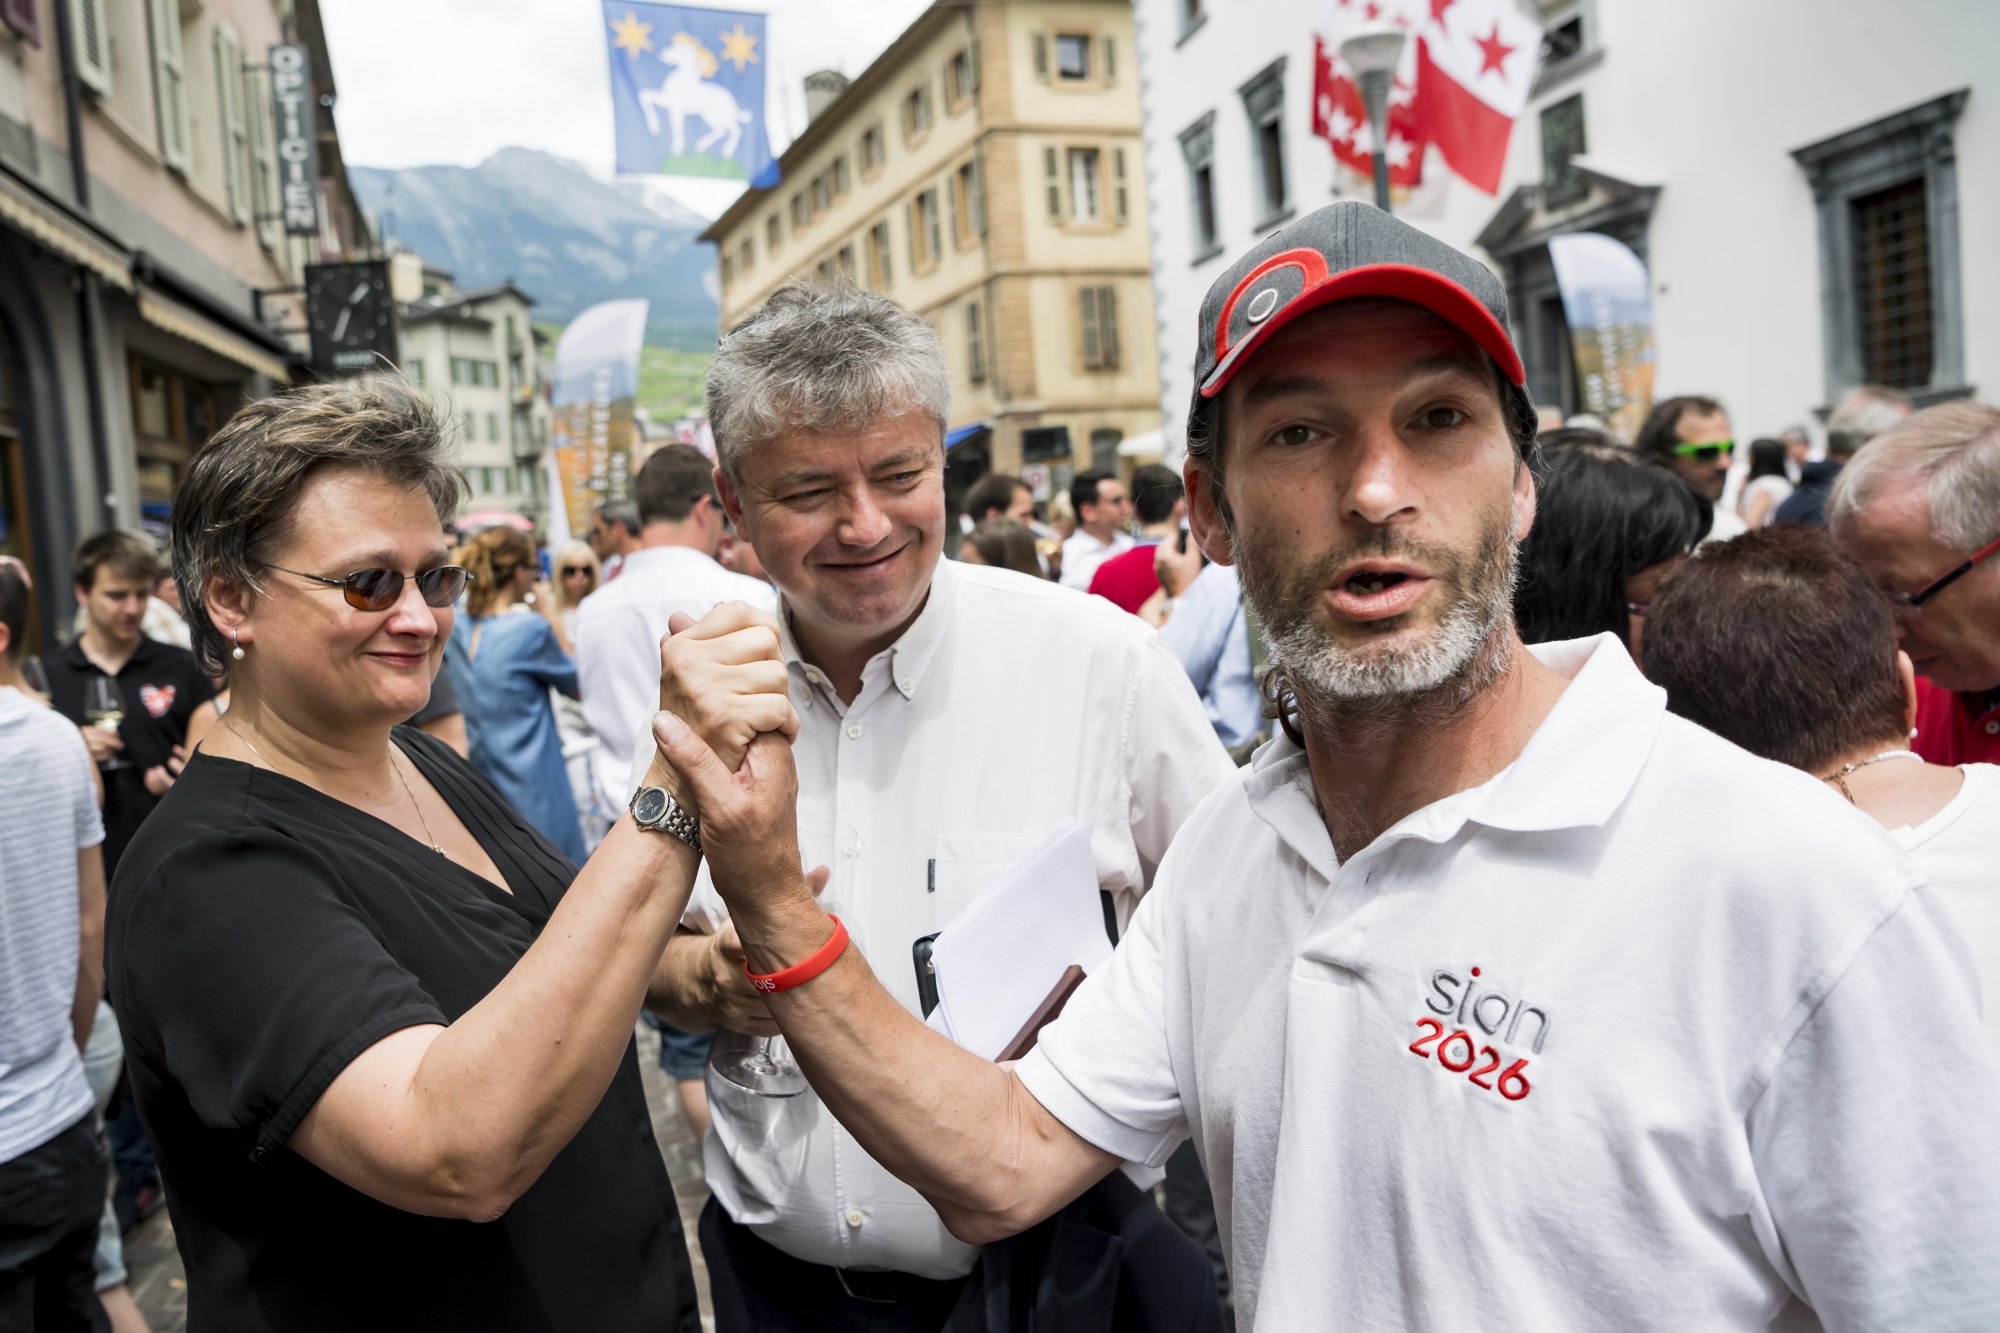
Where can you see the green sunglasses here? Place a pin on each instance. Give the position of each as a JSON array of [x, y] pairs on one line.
[[1705, 451]]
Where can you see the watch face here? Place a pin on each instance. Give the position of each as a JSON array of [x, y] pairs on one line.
[[652, 803]]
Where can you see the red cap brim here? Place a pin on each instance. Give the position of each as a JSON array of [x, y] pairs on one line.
[[1420, 286]]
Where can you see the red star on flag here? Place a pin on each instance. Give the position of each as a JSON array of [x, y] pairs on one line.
[[1374, 11], [1437, 12], [1493, 52]]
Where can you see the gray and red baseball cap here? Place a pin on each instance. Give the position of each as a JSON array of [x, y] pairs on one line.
[[1346, 250]]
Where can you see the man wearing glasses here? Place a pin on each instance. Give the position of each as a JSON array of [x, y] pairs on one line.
[[1691, 435], [1919, 508]]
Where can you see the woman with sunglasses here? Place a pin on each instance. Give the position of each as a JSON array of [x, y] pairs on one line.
[[505, 660], [379, 1027]]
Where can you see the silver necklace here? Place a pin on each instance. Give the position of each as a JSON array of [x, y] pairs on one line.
[[435, 846], [1839, 779]]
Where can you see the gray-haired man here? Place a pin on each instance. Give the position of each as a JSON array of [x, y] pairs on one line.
[[949, 717]]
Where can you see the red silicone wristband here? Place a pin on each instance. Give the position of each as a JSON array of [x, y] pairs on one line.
[[800, 973]]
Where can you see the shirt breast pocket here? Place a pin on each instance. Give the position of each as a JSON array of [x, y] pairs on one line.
[[965, 865]]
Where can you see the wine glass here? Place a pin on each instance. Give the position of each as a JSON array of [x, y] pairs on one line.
[[760, 1065], [35, 678], [104, 706]]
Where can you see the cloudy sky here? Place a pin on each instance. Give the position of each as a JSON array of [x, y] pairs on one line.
[[450, 81]]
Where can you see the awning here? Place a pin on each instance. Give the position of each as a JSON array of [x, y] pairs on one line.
[[494, 518], [183, 321], [964, 433], [1146, 444], [21, 208]]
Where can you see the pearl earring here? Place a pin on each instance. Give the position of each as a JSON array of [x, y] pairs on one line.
[[237, 651]]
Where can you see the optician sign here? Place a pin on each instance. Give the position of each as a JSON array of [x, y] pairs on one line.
[[292, 105]]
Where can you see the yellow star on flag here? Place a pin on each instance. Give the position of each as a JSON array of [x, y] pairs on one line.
[[739, 47], [632, 35]]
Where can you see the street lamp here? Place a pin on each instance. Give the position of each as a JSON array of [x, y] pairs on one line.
[[1372, 51]]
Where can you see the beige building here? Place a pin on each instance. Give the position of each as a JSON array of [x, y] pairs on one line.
[[479, 352], [985, 172], [148, 284]]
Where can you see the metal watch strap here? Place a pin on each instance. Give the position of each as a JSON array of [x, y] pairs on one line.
[[674, 819]]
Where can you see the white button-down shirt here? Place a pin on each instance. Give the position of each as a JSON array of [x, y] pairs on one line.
[[1083, 553], [618, 633], [1008, 707], [1644, 1033]]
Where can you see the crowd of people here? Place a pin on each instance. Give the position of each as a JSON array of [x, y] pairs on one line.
[[1553, 880]]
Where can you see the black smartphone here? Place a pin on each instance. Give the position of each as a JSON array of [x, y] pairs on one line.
[[1180, 542], [926, 974]]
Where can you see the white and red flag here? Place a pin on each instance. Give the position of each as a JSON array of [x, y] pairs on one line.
[[1462, 83]]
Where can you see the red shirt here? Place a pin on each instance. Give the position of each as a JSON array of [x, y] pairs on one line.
[[1127, 579], [1956, 728]]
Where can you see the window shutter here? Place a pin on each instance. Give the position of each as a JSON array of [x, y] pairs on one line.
[[1041, 40], [975, 344], [1108, 60], [1054, 183], [1107, 324], [88, 26], [263, 163], [229, 105], [170, 80], [1093, 345], [978, 182], [951, 202], [1122, 202], [972, 65]]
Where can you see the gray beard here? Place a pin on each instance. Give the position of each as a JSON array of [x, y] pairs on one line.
[[1338, 687]]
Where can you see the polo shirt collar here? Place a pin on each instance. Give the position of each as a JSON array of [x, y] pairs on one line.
[[1574, 772], [909, 657], [147, 650]]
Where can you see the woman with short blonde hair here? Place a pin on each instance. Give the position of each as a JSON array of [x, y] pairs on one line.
[[365, 1004]]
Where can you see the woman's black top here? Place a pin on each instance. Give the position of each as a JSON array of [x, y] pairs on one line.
[[261, 935]]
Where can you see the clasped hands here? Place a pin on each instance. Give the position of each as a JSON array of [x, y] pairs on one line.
[[724, 734]]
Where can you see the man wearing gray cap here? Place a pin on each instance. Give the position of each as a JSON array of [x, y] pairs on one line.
[[1491, 994]]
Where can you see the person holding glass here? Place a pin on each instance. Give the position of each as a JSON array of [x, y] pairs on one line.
[[505, 659], [381, 1028]]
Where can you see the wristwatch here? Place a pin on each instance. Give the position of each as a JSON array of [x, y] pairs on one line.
[[656, 810]]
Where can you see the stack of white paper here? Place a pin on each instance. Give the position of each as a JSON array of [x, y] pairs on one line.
[[1000, 958]]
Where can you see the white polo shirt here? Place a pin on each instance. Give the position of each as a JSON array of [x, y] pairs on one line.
[[1007, 708], [1643, 1033], [1083, 553], [618, 633]]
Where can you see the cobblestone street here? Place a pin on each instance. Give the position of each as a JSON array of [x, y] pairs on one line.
[[160, 1287]]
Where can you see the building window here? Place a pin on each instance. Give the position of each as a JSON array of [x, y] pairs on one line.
[[1098, 311], [843, 262], [1563, 183], [1264, 104], [471, 430], [821, 190], [957, 79], [878, 254], [975, 343], [801, 212], [872, 155], [1193, 14], [229, 109], [1084, 204], [827, 272], [1198, 151], [413, 370], [839, 173], [1072, 56], [774, 233], [1569, 41], [493, 427], [1121, 198], [917, 115], [1044, 442], [969, 203], [1104, 442], [926, 232], [1052, 182], [1890, 283], [1040, 43], [172, 417], [746, 255], [728, 272]]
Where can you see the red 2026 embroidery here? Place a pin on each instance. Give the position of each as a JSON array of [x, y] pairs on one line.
[[1512, 1084]]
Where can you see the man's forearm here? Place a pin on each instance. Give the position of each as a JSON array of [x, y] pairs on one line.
[[677, 992], [963, 1132]]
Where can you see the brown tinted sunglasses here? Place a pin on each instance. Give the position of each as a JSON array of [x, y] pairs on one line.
[[379, 589]]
